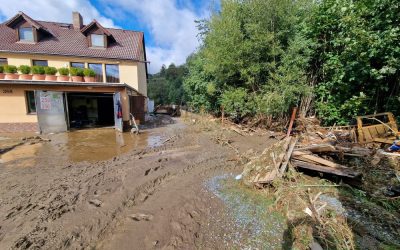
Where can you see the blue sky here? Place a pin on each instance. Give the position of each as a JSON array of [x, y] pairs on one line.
[[169, 27]]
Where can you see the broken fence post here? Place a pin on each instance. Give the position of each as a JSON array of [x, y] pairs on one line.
[[291, 121]]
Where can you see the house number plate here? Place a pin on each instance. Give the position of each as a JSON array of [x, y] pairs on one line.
[[7, 91]]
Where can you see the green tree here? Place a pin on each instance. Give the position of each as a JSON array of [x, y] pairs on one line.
[[166, 87], [357, 58], [250, 47]]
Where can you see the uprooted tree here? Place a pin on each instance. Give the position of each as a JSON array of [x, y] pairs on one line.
[[335, 58]]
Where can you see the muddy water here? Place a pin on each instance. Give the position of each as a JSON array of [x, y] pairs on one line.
[[80, 145]]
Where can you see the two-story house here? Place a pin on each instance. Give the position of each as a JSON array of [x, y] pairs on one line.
[[117, 56]]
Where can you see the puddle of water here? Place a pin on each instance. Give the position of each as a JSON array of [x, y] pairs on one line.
[[23, 153], [80, 145], [255, 226]]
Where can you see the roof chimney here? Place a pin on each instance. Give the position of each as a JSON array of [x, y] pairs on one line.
[[77, 21]]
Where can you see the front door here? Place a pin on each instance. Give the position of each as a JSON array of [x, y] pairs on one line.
[[50, 110], [118, 111]]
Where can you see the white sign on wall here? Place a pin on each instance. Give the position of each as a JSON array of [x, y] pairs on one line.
[[45, 102]]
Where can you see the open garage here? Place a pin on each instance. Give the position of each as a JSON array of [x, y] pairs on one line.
[[87, 110]]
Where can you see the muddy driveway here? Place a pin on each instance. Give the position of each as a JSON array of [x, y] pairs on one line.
[[100, 190]]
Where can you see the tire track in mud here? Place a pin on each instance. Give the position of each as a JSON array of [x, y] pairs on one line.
[[185, 226], [56, 201], [62, 199], [58, 214]]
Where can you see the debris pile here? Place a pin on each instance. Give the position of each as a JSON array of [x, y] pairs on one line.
[[321, 149], [357, 199]]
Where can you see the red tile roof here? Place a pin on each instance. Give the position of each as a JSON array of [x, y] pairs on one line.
[[93, 23], [65, 40]]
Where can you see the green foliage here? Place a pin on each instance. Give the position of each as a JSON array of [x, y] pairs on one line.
[[252, 61], [344, 54], [50, 71], [89, 73], [202, 93], [38, 70], [63, 71], [357, 57], [166, 87], [24, 69], [237, 103], [76, 72], [10, 69], [1, 68]]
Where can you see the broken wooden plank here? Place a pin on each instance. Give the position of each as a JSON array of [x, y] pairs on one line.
[[318, 148], [345, 172], [385, 140], [303, 156], [283, 167]]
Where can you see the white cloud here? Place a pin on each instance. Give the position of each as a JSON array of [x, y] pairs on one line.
[[173, 29], [50, 10]]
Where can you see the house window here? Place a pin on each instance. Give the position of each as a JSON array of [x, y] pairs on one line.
[[78, 65], [3, 61], [97, 40], [112, 73], [98, 68], [40, 63], [25, 34], [30, 102]]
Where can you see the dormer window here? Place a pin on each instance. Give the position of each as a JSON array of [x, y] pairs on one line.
[[25, 34], [97, 35], [28, 30], [97, 40]]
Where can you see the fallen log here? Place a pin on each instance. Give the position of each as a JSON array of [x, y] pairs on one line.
[[318, 148], [355, 150], [328, 148], [345, 172]]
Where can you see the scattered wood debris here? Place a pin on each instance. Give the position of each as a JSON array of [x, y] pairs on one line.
[[312, 148]]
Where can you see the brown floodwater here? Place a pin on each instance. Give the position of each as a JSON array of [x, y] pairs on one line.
[[80, 145]]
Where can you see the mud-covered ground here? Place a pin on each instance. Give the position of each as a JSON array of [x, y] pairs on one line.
[[97, 189], [171, 187]]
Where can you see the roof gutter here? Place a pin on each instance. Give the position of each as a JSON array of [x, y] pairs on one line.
[[69, 55], [69, 84]]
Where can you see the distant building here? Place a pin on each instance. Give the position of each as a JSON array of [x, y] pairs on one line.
[[119, 87]]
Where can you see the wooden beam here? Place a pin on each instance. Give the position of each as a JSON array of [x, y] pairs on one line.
[[318, 148], [307, 157], [287, 156], [345, 172]]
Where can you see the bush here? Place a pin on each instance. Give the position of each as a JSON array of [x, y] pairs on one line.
[[38, 70], [50, 71], [63, 71], [24, 69], [1, 68], [237, 103], [10, 69], [76, 72], [89, 72]]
